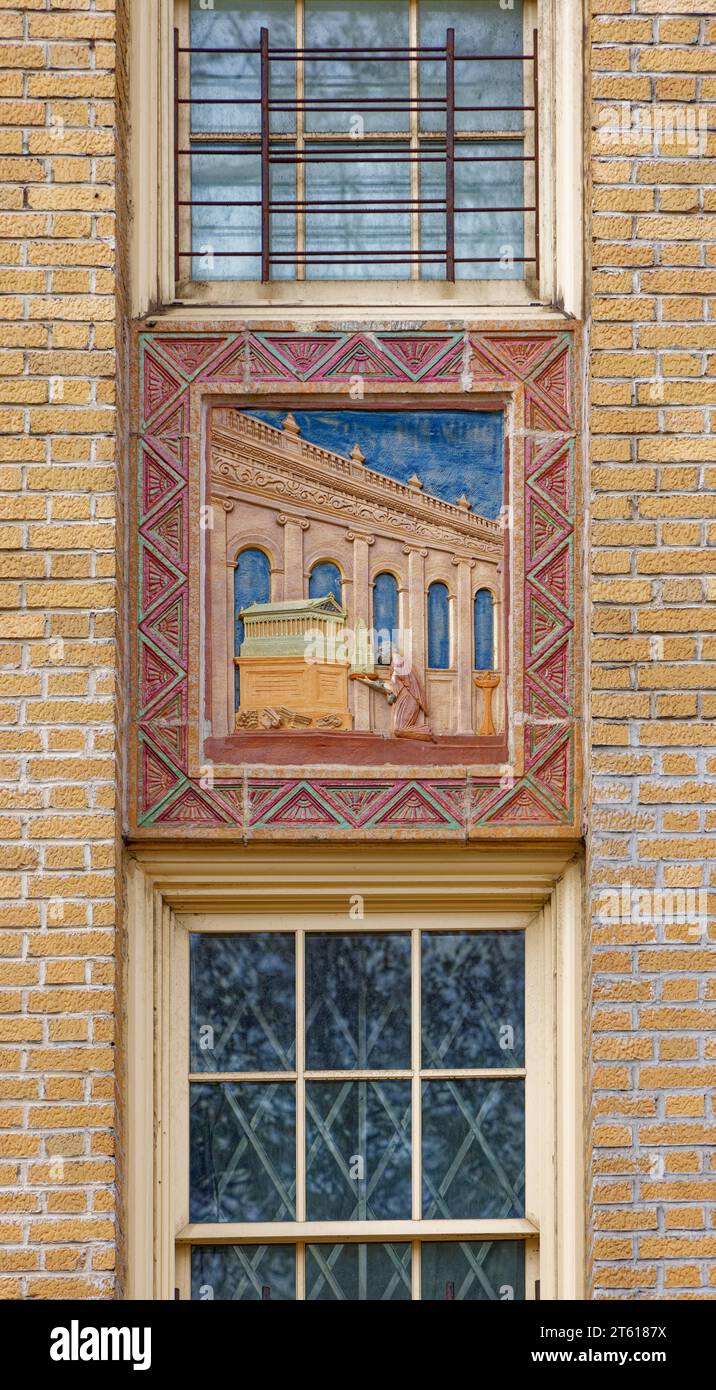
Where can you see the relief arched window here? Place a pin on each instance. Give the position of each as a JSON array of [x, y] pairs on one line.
[[484, 629], [438, 626], [325, 578], [252, 584], [385, 616]]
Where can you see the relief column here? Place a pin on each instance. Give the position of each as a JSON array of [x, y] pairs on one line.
[[294, 526], [361, 615], [463, 643], [414, 619]]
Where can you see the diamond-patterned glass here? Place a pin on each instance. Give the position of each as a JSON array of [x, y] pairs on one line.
[[244, 1273], [243, 1151], [377, 1273], [473, 1145], [358, 1164], [472, 1271]]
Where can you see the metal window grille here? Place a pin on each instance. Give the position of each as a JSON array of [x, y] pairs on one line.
[[300, 148]]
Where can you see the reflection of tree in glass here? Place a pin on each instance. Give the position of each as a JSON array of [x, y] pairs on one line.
[[472, 994], [243, 1273], [242, 1002], [357, 1000]]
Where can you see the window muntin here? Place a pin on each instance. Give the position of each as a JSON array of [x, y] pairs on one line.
[[400, 1106], [375, 141]]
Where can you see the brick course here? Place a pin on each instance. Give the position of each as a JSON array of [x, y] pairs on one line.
[[653, 338], [58, 648]]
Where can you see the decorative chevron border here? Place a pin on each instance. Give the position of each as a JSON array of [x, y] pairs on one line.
[[165, 798]]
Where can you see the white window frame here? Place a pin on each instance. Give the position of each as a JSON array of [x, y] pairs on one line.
[[561, 27], [225, 889]]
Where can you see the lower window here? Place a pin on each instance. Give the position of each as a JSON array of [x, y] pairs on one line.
[[363, 1113], [398, 1270]]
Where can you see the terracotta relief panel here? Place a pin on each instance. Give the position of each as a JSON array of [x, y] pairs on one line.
[[355, 584]]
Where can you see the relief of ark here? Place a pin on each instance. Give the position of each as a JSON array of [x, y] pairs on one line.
[[356, 591]]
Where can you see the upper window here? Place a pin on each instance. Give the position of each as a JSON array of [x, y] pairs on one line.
[[385, 140], [381, 153]]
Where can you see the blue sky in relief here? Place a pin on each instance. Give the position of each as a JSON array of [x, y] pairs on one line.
[[452, 451]]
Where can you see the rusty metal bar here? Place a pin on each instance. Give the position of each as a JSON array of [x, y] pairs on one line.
[[450, 155], [397, 257], [383, 55], [265, 161], [381, 152]]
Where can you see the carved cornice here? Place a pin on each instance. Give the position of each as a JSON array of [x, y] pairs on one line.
[[248, 454]]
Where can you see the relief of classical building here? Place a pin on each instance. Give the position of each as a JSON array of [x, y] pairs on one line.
[[302, 506]]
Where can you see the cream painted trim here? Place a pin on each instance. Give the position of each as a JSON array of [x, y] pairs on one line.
[[567, 904], [320, 878], [151, 81], [167, 885], [326, 1231], [139, 1099], [561, 24]]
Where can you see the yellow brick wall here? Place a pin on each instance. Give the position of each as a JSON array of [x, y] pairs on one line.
[[652, 814], [58, 604]]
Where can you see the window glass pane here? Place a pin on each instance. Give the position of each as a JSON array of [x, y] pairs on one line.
[[242, 1141], [242, 1002], [473, 999], [381, 1273], [374, 236], [243, 1273], [473, 1271], [487, 175], [225, 91], [225, 178], [481, 26], [473, 1149], [357, 1001], [232, 80], [356, 83], [358, 1150]]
